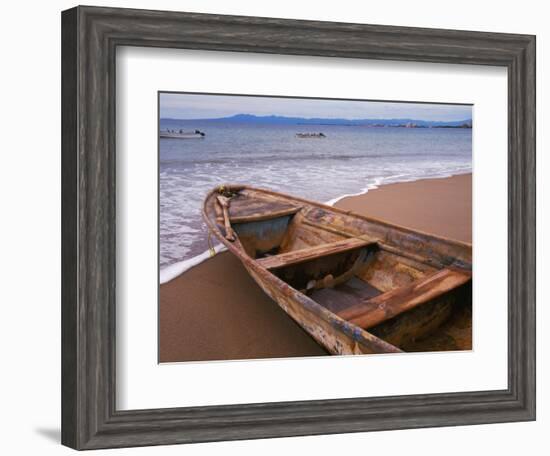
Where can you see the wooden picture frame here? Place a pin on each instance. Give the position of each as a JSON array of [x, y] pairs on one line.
[[90, 37]]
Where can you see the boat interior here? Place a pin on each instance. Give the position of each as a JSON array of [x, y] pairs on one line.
[[413, 302]]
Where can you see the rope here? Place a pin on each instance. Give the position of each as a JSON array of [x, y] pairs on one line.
[[211, 248], [227, 193]]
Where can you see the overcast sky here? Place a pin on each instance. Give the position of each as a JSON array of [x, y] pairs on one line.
[[190, 106]]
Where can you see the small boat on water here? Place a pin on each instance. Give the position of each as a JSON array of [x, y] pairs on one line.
[[180, 134], [310, 135], [355, 284]]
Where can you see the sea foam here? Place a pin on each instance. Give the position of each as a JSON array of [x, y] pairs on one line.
[[176, 269]]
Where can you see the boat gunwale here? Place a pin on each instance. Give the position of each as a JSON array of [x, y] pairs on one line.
[[341, 211]]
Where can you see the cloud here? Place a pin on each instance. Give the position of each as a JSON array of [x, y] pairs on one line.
[[201, 106]]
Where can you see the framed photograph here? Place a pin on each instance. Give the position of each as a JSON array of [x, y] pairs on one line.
[[355, 284], [279, 228]]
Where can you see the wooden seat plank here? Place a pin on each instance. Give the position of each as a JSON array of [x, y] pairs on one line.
[[243, 208], [300, 256], [374, 311], [261, 215]]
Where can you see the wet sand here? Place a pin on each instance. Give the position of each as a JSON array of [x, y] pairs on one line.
[[216, 311]]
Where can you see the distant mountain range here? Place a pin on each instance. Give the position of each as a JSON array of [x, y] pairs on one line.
[[283, 120]]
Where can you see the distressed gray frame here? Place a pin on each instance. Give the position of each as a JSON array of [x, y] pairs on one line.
[[90, 36]]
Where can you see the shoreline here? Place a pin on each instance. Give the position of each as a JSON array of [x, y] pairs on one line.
[[174, 270], [215, 310], [378, 185], [440, 206]]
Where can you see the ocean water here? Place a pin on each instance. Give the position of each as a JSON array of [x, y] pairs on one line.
[[350, 160]]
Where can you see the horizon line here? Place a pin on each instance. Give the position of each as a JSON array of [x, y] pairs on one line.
[[315, 118]]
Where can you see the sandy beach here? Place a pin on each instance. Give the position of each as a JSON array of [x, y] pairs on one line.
[[437, 206], [215, 311]]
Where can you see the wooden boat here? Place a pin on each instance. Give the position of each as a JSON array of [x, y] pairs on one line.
[[355, 284]]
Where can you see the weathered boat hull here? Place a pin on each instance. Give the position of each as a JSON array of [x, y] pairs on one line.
[[357, 285]]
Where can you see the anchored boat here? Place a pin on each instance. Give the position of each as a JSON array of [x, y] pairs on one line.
[[310, 135], [355, 284], [180, 134]]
